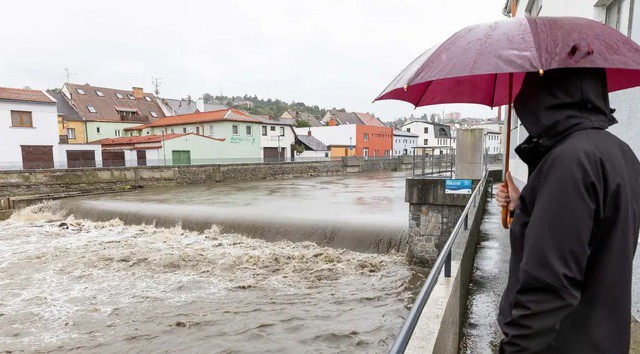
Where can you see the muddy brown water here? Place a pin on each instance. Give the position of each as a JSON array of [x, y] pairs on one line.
[[111, 286]]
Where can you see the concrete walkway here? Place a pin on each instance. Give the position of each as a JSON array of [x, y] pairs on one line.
[[481, 333]]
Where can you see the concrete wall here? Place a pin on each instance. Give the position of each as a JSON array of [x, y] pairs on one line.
[[43, 132], [469, 153]]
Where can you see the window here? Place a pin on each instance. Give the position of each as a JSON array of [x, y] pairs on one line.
[[408, 130], [198, 130], [153, 114], [80, 91], [21, 119], [387, 153], [264, 130], [248, 130], [211, 130], [98, 130], [131, 97], [71, 133], [91, 109], [281, 131], [365, 152], [426, 130], [234, 129], [147, 98], [426, 141], [366, 137], [99, 93], [119, 95], [172, 131], [612, 16], [117, 133], [184, 130], [273, 128]]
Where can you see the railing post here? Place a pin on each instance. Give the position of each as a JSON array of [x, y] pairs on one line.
[[447, 265], [466, 221]]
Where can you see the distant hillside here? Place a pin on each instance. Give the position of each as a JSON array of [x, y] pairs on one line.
[[255, 105]]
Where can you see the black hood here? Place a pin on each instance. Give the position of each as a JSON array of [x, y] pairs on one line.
[[559, 102]]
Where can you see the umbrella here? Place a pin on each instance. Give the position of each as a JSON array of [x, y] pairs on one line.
[[486, 63]]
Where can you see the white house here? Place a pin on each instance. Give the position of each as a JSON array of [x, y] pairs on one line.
[[404, 142], [435, 138], [619, 14], [492, 142], [314, 149], [276, 138], [29, 130]]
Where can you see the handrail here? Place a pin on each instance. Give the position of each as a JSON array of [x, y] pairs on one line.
[[444, 258]]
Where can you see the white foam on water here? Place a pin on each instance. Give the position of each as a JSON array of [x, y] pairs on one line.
[[111, 287]]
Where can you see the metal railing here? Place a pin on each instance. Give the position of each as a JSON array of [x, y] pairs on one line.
[[443, 261], [433, 162]]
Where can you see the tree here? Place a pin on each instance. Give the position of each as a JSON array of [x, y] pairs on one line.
[[301, 123]]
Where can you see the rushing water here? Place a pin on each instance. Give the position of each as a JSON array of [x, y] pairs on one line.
[[110, 287]]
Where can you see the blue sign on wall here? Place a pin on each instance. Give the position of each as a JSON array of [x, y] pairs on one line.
[[458, 186], [350, 147]]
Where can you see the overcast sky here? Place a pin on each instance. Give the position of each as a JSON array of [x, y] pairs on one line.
[[329, 53]]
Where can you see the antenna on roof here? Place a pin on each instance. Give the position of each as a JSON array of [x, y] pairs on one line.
[[155, 81], [68, 72]]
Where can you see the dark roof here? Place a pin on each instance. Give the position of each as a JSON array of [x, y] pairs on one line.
[[184, 106], [13, 94], [347, 118], [312, 143], [106, 106], [65, 109], [306, 116], [276, 121]]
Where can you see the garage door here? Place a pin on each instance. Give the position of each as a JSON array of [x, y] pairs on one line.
[[271, 154], [113, 158], [142, 157], [81, 158], [37, 156], [181, 157]]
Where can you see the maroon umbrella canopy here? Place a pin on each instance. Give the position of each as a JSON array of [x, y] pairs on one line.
[[473, 66]]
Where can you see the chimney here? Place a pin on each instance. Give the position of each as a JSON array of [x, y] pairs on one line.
[[200, 104], [309, 132], [499, 114], [138, 93]]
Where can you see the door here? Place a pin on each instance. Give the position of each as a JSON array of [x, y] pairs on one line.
[[37, 156], [81, 158], [113, 158], [181, 157], [270, 154], [142, 157]]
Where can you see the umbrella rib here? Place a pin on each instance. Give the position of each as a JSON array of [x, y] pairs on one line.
[[493, 94], [422, 94]]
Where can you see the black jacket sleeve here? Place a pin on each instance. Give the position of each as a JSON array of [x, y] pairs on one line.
[[555, 253]]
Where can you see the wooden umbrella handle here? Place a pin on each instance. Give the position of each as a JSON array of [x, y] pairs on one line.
[[506, 217]]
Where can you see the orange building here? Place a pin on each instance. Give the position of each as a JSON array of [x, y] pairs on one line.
[[374, 141]]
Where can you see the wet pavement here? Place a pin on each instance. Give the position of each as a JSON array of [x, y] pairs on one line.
[[481, 333]]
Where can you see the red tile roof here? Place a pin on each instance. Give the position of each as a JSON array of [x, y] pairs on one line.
[[233, 115], [129, 140], [370, 119], [13, 94]]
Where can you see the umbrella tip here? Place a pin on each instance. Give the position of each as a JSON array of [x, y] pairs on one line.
[[405, 87], [541, 72]]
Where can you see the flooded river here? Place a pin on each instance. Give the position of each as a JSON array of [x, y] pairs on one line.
[[106, 286]]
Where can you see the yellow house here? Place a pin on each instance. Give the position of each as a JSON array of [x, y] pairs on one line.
[[71, 126]]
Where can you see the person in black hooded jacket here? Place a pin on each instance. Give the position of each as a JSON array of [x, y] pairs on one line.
[[575, 223]]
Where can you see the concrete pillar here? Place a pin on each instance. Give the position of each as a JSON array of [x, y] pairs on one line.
[[432, 216], [470, 154]]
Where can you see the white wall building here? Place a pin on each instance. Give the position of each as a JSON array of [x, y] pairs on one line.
[[29, 129], [435, 137], [339, 135], [404, 143], [276, 137], [492, 142], [619, 14]]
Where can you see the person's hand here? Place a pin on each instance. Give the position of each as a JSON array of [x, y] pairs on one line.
[[508, 198]]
